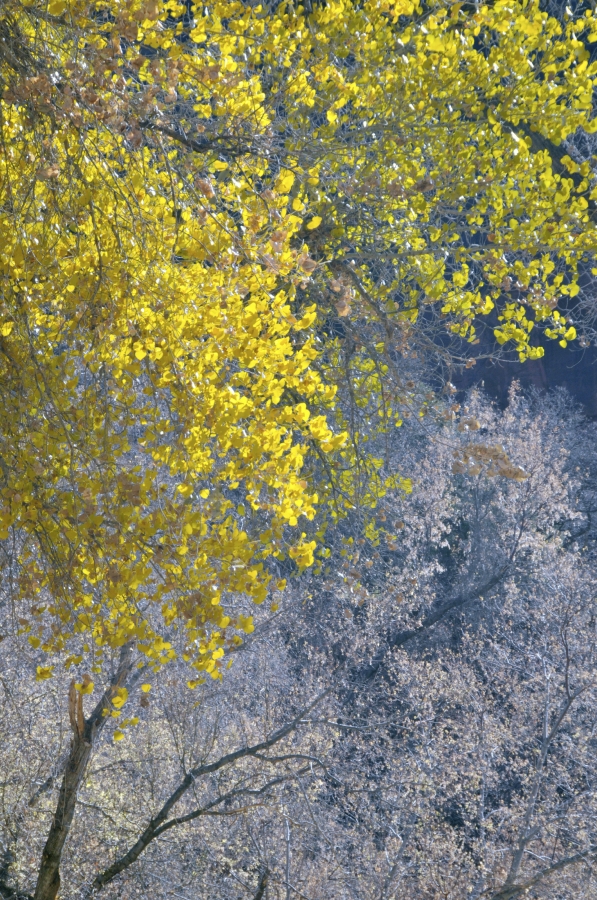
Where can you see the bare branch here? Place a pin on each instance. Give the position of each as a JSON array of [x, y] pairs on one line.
[[155, 825]]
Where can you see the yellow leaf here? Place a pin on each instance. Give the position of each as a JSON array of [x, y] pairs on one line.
[[44, 672], [245, 623], [314, 223], [285, 182], [87, 685], [120, 698]]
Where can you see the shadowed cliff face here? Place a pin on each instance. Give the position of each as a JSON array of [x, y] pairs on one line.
[[575, 370]]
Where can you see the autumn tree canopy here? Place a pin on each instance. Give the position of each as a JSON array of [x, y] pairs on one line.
[[213, 218]]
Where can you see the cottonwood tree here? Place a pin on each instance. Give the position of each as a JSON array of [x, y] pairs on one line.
[[211, 220], [180, 186], [185, 192]]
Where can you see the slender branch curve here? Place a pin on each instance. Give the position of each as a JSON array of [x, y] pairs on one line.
[[156, 825]]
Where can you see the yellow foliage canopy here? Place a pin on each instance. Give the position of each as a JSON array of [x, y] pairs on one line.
[[183, 193]]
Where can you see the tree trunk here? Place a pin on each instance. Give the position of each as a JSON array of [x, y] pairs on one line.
[[85, 732]]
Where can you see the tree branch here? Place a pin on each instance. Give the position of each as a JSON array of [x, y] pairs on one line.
[[224, 145], [206, 810], [528, 832], [156, 824], [262, 885], [508, 892], [365, 674]]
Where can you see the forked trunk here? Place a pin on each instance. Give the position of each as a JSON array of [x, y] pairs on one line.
[[85, 732]]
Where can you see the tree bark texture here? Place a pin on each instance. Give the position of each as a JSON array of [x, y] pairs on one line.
[[85, 732]]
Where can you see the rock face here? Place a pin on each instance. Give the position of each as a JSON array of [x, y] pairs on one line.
[[575, 370]]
